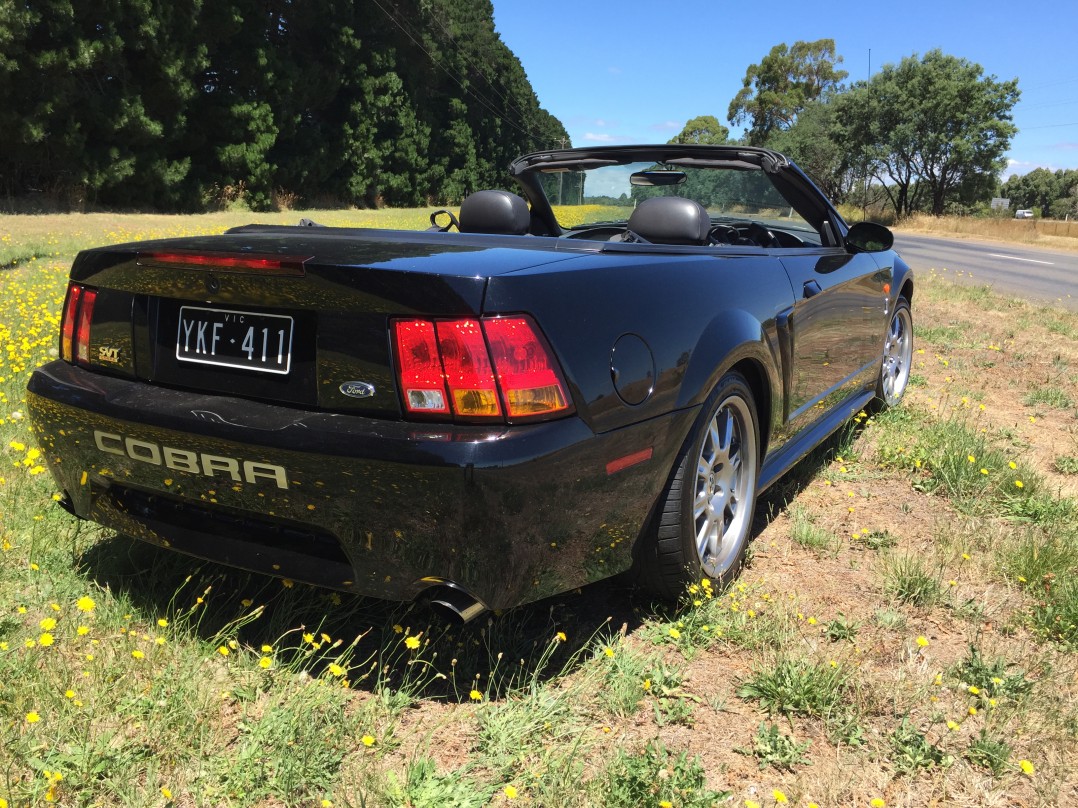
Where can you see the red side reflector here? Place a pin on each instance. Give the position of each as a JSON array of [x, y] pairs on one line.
[[287, 265], [67, 327], [82, 330], [622, 463]]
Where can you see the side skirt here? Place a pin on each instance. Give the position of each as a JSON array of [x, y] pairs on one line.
[[777, 464]]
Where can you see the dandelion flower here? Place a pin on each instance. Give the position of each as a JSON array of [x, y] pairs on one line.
[[82, 631], [475, 695], [510, 793], [608, 651], [1019, 484], [265, 663], [45, 639], [368, 740], [336, 669], [48, 624], [560, 636], [137, 654], [162, 622], [412, 643], [922, 642], [674, 633], [223, 650], [166, 793], [33, 717], [877, 802], [1027, 767], [779, 796], [953, 725]]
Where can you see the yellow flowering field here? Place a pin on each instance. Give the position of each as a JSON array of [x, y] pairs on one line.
[[904, 633]]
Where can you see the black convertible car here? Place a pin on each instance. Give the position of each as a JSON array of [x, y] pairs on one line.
[[596, 378]]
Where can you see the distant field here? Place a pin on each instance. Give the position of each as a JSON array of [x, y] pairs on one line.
[[905, 632], [1058, 235], [35, 237]]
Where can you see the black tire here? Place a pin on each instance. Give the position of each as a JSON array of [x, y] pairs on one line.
[[897, 356], [705, 519]]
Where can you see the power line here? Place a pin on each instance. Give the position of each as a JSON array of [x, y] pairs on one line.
[[491, 84], [489, 106], [1049, 126]]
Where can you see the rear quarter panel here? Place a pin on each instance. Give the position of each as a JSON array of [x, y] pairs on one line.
[[698, 314]]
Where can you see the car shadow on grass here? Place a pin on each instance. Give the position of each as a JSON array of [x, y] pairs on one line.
[[312, 629]]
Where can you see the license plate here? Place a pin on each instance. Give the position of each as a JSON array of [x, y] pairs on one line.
[[235, 339]]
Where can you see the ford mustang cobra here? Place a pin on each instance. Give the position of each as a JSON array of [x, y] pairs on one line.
[[592, 376]]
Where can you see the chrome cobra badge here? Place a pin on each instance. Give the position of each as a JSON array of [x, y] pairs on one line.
[[357, 389]]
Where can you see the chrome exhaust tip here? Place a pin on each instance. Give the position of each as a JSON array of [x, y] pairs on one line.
[[450, 598]]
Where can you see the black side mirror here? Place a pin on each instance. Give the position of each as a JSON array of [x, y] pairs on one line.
[[869, 237]]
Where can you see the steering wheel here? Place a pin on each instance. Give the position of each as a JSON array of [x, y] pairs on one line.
[[762, 236], [723, 234]]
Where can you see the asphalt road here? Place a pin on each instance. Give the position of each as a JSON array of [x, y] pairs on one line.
[[1034, 274]]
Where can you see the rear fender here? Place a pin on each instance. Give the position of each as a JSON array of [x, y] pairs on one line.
[[734, 336]]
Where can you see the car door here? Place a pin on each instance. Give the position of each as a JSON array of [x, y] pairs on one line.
[[836, 330]]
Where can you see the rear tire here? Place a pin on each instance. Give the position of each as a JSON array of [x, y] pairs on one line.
[[705, 520]]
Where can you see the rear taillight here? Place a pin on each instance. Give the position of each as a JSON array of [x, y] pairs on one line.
[[478, 370], [75, 324]]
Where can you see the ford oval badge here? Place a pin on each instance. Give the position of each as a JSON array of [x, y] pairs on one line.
[[357, 389]]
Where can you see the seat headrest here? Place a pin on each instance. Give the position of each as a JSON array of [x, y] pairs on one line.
[[671, 220], [498, 212]]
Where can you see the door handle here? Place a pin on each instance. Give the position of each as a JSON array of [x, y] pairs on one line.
[[812, 288]]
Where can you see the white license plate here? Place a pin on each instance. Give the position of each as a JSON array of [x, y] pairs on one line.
[[235, 339]]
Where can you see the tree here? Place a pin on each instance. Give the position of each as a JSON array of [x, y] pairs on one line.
[[927, 127], [704, 129], [1051, 193], [814, 143], [779, 88]]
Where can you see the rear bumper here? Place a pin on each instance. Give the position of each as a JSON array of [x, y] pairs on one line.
[[381, 508]]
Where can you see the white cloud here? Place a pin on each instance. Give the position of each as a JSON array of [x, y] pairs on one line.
[[600, 123], [666, 126], [600, 137]]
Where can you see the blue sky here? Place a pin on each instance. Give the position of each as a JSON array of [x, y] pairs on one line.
[[635, 71]]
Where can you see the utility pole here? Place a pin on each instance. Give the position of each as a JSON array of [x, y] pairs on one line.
[[864, 193]]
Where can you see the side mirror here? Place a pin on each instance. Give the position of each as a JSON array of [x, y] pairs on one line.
[[869, 237]]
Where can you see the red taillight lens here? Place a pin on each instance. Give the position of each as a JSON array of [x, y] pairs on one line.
[[419, 367], [67, 327], [75, 324], [467, 369], [528, 377], [82, 331], [496, 368]]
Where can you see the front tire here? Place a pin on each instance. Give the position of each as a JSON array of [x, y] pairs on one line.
[[706, 518], [897, 356]]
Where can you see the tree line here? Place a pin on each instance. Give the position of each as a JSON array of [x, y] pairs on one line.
[[928, 134], [188, 104]]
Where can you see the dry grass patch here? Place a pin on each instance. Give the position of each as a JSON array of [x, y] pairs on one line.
[[905, 630]]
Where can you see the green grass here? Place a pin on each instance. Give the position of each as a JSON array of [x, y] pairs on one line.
[[219, 687]]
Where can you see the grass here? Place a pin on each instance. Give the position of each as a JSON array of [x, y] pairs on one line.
[[844, 661]]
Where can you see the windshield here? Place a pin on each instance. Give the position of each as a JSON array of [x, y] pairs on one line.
[[610, 193]]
